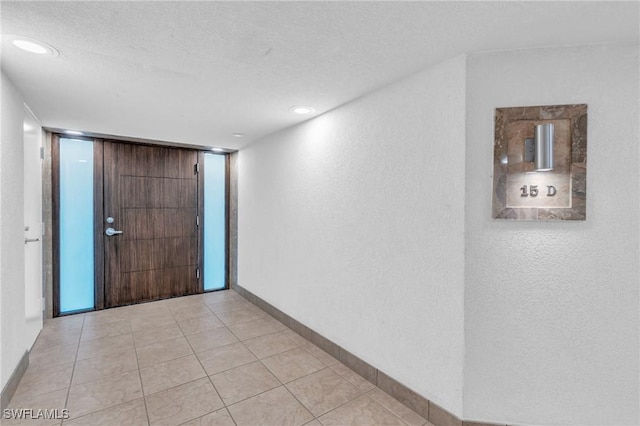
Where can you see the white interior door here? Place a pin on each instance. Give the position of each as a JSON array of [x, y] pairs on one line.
[[33, 225]]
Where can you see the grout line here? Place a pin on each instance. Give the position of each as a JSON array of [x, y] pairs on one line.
[[298, 346], [135, 353], [301, 346], [282, 384], [384, 407], [75, 360], [339, 361], [203, 369]]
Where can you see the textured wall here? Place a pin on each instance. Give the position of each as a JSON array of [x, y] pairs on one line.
[[551, 308], [12, 316], [353, 223]]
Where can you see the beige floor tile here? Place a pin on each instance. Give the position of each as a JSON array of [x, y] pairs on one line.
[[251, 329], [33, 416], [95, 396], [33, 422], [292, 365], [104, 367], [397, 408], [243, 382], [323, 391], [354, 378], [151, 322], [178, 303], [258, 311], [221, 296], [321, 355], [276, 407], [100, 331], [270, 344], [38, 380], [225, 357], [159, 334], [107, 346], [51, 400], [163, 351], [200, 324], [158, 308], [195, 309], [105, 316], [160, 339], [228, 306], [236, 317], [275, 323], [362, 411], [132, 413], [65, 323], [217, 418], [169, 374], [210, 339], [56, 356], [183, 403], [301, 341], [52, 338]]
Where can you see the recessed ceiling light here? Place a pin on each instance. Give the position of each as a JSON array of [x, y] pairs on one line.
[[34, 46], [237, 135], [217, 149], [73, 132], [301, 109]]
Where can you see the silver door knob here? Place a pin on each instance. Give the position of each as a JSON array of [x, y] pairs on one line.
[[111, 232]]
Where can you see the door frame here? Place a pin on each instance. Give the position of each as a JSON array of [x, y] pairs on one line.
[[98, 190]]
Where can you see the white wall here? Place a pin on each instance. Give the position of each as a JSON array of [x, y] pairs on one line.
[[551, 309], [32, 195], [353, 223], [12, 305]]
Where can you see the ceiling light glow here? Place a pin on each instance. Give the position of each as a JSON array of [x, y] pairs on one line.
[[73, 132], [33, 46], [30, 46], [237, 135], [301, 109], [217, 149]]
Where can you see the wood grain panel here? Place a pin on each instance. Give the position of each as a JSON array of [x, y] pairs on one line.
[[152, 194], [143, 223], [177, 222]]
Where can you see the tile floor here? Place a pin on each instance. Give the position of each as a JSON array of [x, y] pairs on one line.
[[210, 359]]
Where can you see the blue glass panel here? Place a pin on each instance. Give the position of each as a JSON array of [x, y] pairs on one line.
[[214, 222], [76, 225]]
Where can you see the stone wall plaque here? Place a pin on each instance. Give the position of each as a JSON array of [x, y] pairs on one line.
[[522, 193]]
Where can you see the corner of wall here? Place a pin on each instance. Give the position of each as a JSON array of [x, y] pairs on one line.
[[12, 294]]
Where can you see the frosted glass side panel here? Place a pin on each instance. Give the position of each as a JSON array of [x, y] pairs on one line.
[[76, 225], [214, 222]]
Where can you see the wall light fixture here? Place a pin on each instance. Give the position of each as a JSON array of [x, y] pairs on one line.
[[540, 148]]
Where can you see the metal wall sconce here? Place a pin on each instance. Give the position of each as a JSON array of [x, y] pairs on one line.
[[532, 139], [539, 149]]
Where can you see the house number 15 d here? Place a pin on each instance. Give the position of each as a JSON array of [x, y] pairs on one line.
[[532, 191]]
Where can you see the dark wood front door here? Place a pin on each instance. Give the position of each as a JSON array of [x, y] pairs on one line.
[[152, 195]]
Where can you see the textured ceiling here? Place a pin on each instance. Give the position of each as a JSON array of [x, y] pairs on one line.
[[195, 72]]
